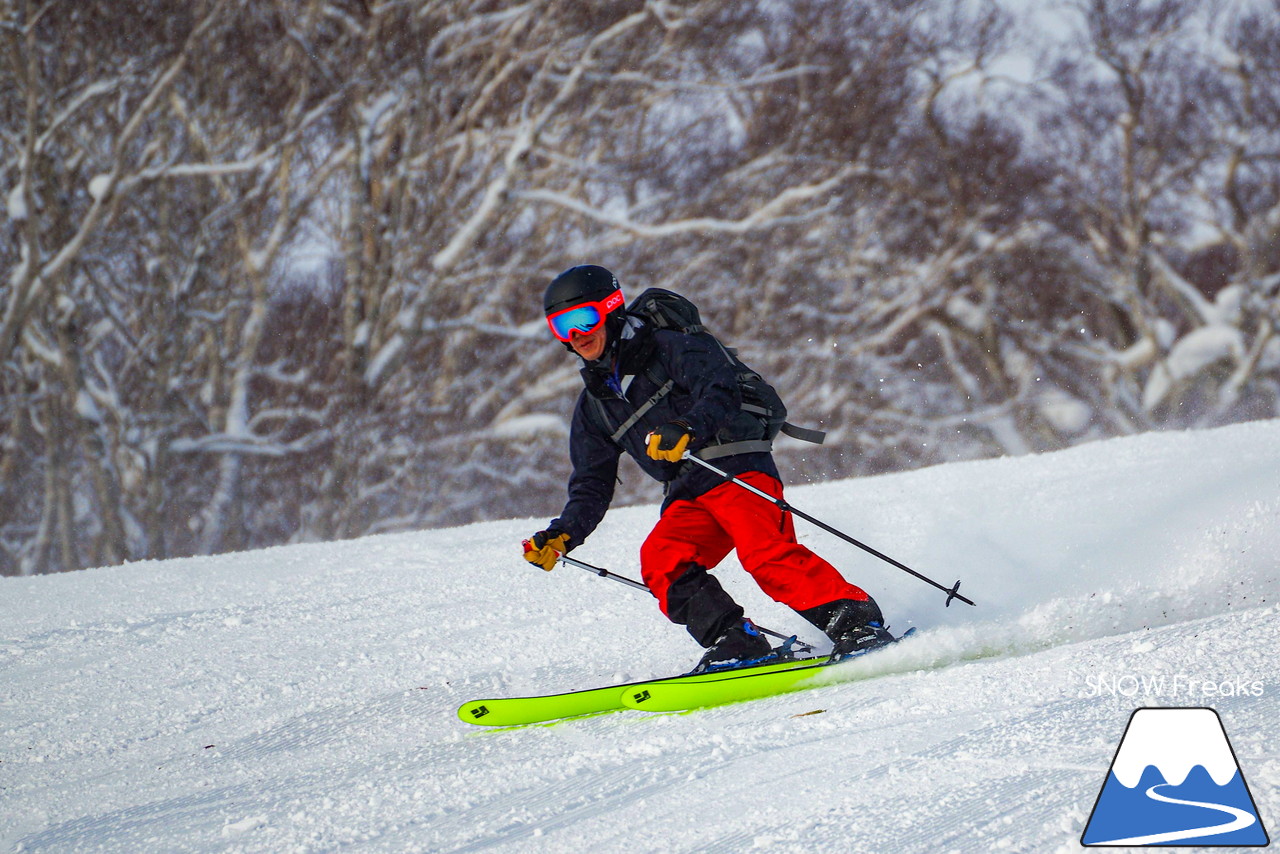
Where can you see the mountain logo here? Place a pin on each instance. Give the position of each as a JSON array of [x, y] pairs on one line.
[[1175, 781]]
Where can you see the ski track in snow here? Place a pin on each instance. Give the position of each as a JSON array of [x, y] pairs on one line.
[[302, 698]]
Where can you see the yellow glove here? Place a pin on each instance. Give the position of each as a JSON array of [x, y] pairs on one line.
[[669, 441], [545, 547]]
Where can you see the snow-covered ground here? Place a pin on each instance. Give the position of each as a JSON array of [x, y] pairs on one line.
[[302, 698]]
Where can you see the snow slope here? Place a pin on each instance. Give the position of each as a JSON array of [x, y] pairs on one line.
[[302, 698]]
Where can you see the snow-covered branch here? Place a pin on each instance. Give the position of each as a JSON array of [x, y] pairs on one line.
[[526, 136], [270, 274], [769, 215]]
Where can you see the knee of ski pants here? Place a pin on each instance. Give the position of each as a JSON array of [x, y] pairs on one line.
[[677, 542], [661, 563]]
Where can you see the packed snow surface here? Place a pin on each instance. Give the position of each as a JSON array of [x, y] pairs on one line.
[[303, 698]]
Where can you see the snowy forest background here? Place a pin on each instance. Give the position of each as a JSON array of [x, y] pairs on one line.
[[271, 270]]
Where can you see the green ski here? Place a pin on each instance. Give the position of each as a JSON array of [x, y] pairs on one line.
[[680, 695], [517, 711]]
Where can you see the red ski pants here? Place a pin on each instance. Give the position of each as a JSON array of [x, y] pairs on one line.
[[704, 530]]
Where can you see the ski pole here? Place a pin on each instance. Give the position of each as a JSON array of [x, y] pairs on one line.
[[952, 592], [604, 573]]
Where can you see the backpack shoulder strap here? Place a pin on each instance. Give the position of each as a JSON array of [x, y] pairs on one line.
[[659, 378], [654, 399]]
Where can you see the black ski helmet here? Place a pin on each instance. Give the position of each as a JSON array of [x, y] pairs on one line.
[[584, 283]]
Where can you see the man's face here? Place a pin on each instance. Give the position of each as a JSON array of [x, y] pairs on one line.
[[589, 347]]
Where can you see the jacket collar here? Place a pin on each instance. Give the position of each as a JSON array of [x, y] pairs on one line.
[[626, 355]]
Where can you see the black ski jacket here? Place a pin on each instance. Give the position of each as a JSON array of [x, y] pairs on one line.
[[705, 396]]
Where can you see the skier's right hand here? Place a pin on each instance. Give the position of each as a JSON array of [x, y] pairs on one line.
[[545, 547]]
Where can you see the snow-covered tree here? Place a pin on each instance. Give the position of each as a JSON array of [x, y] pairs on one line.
[[272, 270]]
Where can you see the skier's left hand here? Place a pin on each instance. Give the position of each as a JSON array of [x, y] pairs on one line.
[[669, 441]]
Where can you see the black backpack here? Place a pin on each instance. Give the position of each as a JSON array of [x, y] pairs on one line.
[[663, 309]]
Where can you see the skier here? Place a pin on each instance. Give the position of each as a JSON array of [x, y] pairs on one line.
[[703, 516]]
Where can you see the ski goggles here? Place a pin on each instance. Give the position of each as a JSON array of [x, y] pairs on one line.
[[583, 318]]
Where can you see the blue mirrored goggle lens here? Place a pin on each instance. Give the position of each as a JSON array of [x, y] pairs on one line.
[[584, 319]]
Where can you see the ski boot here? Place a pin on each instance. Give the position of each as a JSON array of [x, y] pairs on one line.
[[741, 643], [853, 626], [860, 639]]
